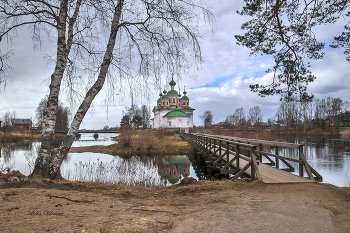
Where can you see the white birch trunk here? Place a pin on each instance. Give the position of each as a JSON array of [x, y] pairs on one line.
[[55, 165], [49, 120]]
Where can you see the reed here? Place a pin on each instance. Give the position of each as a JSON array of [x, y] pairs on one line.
[[132, 171]]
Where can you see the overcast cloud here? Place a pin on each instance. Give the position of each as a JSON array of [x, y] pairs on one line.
[[222, 86]]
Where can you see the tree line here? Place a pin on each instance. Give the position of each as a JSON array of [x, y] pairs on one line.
[[237, 119], [319, 113]]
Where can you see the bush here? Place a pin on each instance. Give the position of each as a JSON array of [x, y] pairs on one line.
[[125, 135]]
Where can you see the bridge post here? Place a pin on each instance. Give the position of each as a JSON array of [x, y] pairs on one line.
[[277, 160], [237, 155], [301, 165], [260, 154], [307, 167], [254, 165], [228, 151]]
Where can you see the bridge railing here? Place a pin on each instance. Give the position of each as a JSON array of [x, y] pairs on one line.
[[211, 146], [273, 158]]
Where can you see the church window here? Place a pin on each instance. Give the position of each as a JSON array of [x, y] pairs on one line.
[[163, 102], [169, 123], [184, 103], [174, 100]]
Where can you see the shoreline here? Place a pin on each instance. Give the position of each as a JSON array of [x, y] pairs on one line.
[[17, 135]]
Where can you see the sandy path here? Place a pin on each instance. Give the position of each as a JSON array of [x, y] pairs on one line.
[[213, 207]]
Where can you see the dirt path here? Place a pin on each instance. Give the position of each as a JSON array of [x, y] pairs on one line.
[[226, 206]]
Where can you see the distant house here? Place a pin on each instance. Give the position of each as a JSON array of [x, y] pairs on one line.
[[344, 119], [22, 124]]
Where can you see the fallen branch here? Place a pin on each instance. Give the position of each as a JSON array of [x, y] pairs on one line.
[[68, 199]]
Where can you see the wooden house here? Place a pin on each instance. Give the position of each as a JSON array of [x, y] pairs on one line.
[[21, 124]]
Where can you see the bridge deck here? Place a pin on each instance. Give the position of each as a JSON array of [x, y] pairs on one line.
[[271, 175]]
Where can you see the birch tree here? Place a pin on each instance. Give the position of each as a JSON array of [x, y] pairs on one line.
[[143, 39]]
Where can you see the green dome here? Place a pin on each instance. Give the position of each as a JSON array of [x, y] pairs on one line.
[[172, 82], [165, 97], [160, 99], [172, 92], [185, 92], [176, 114], [185, 98], [164, 92]]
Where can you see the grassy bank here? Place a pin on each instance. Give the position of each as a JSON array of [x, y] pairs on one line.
[[143, 141]]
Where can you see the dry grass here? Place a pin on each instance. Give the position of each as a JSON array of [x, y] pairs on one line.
[[345, 131], [144, 141], [19, 135], [164, 141]]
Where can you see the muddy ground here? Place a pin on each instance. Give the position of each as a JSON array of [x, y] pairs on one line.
[[40, 205]]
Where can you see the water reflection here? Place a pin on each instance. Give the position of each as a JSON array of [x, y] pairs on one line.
[[18, 156], [174, 168], [137, 171], [329, 156], [90, 139]]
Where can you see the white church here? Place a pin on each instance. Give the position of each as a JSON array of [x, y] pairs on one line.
[[172, 110]]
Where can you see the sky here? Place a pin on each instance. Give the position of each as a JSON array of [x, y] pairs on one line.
[[221, 86]]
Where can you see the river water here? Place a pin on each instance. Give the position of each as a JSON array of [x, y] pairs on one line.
[[329, 156]]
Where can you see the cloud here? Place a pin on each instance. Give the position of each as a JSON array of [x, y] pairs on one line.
[[222, 86]]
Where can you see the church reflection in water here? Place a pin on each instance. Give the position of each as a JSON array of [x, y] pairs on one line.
[[174, 168]]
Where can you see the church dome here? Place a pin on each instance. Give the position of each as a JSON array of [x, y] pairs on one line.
[[172, 82], [165, 97], [172, 92]]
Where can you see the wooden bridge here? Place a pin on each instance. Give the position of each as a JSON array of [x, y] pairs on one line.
[[243, 157]]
